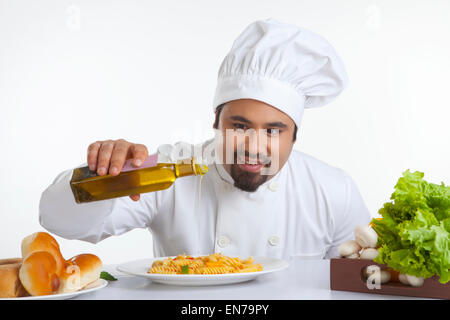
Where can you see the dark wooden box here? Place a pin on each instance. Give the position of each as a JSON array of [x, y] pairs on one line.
[[346, 275]]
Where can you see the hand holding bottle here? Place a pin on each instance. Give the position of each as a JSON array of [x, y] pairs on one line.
[[109, 156], [120, 169]]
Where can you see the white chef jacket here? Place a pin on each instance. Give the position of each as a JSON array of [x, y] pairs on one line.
[[306, 210]]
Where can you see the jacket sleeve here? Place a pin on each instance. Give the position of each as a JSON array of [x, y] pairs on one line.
[[354, 214], [92, 221]]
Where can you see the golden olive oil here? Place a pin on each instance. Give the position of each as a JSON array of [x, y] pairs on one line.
[[87, 186]]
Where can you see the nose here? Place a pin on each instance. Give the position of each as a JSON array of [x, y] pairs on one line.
[[257, 145], [252, 143]]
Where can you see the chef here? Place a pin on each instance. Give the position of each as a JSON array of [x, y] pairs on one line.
[[301, 208]]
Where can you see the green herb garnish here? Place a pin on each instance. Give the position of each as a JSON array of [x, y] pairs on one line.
[[107, 276], [185, 269]]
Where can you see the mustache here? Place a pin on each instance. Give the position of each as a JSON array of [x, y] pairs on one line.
[[239, 158]]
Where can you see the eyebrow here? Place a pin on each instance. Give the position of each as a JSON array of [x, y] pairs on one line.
[[241, 119], [277, 124]]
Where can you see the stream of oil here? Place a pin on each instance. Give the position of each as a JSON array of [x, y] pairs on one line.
[[198, 214]]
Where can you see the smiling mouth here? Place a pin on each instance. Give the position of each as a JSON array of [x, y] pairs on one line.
[[251, 165]]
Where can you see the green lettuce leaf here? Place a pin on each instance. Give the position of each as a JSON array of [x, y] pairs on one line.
[[414, 232]]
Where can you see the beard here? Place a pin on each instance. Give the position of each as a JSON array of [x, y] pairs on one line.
[[246, 180]]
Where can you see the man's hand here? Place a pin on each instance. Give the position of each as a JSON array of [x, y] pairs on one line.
[[110, 156]]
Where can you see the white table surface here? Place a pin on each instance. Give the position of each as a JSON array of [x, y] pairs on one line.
[[303, 279]]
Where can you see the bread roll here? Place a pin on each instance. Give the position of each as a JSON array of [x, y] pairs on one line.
[[39, 273], [42, 241], [44, 270], [10, 285], [79, 272]]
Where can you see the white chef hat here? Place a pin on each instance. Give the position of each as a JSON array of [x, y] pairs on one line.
[[285, 66]]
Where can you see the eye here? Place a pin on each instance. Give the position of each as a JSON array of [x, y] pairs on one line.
[[273, 132], [239, 126]]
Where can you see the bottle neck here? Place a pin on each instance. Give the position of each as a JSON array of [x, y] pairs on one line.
[[187, 169], [184, 169]]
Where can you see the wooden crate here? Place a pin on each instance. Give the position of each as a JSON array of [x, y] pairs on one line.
[[346, 275]]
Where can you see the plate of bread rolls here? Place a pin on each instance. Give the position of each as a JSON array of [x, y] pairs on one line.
[[42, 272]]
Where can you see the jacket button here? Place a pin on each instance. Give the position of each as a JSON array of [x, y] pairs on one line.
[[274, 240], [273, 186], [223, 241]]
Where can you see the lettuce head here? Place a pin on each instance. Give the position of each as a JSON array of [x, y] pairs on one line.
[[414, 231]]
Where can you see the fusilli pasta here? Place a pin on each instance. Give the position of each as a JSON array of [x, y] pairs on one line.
[[212, 264]]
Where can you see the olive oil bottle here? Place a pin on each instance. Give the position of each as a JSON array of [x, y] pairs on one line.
[[87, 186]]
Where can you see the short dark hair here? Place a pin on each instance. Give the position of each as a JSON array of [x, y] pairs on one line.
[[219, 110]]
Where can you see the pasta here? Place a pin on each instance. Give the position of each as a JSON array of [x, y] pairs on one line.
[[215, 263]]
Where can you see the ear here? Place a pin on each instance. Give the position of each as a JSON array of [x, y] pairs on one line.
[[294, 138]]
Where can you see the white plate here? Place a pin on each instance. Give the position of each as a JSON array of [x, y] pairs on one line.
[[102, 283], [139, 268]]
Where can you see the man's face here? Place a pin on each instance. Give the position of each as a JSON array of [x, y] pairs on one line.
[[257, 141]]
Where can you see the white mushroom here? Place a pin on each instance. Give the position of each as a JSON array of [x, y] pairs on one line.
[[365, 236], [348, 248], [402, 278], [353, 256], [374, 273], [414, 281], [369, 253], [410, 280], [385, 276]]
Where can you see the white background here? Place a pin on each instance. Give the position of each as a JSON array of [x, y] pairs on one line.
[[73, 72]]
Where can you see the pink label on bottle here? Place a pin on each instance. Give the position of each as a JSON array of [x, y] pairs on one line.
[[151, 161]]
